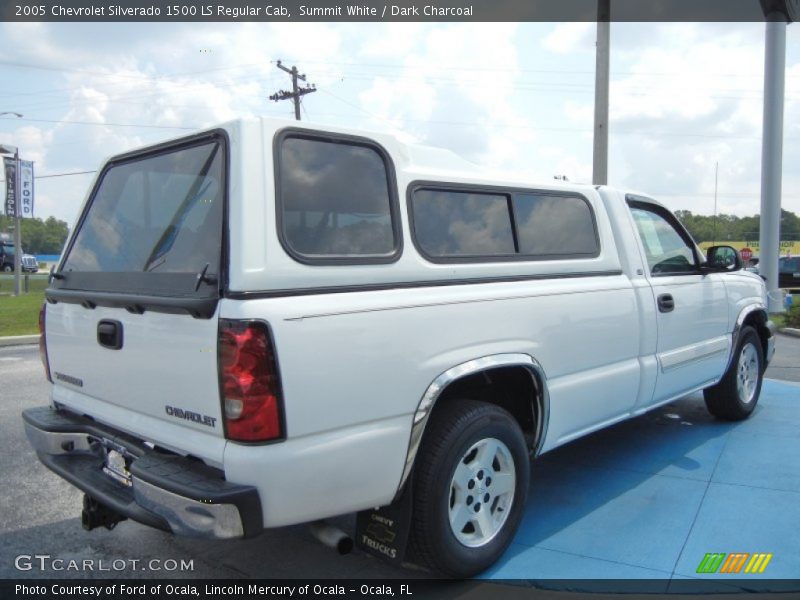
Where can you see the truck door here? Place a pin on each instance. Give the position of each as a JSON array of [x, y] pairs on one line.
[[691, 306]]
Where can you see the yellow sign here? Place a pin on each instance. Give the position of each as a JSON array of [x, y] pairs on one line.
[[786, 248]]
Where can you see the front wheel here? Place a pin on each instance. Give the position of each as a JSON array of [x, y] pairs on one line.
[[470, 486], [7, 268], [735, 396]]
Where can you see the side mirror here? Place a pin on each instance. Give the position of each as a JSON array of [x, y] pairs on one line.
[[723, 258]]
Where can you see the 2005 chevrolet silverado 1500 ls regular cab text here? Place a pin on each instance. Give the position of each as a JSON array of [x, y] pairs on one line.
[[271, 323]]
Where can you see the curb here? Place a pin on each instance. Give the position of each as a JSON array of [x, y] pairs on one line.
[[18, 340], [791, 331]]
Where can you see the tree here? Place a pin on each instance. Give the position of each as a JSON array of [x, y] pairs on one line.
[[38, 236], [723, 228]]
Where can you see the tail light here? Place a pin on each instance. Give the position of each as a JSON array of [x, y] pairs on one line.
[[43, 341], [249, 382]]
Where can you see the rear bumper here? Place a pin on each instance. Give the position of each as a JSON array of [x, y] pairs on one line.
[[166, 491]]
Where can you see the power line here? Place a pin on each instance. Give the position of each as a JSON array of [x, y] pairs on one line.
[[64, 174], [532, 86], [493, 69], [59, 175], [389, 121], [59, 121]]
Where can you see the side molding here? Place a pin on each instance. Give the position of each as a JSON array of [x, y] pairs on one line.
[[540, 404]]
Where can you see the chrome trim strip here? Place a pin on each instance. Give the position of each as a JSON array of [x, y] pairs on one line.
[[189, 517], [770, 349], [743, 314], [692, 353], [431, 395]]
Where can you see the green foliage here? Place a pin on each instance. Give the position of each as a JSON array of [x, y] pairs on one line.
[[792, 317], [39, 236], [724, 228], [19, 315]]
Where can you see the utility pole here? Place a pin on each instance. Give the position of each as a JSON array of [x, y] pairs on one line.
[[601, 85], [716, 181], [296, 92]]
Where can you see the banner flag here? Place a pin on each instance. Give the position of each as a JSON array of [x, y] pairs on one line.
[[26, 189], [11, 186]]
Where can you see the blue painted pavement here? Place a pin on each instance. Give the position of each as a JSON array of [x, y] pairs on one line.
[[648, 498]]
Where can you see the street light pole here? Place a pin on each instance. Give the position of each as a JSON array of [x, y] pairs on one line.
[[6, 149], [17, 216], [778, 14], [601, 85], [17, 229]]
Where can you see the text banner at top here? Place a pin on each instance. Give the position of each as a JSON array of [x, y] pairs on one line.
[[396, 11]]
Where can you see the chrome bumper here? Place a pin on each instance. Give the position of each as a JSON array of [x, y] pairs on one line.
[[770, 342], [166, 491]]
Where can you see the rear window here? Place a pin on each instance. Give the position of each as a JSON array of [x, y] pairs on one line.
[[474, 225], [153, 224], [336, 200], [450, 223], [555, 225]]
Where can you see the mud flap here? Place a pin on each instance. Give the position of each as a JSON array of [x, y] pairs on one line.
[[383, 532]]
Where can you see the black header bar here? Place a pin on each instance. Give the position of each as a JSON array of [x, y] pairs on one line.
[[410, 588], [391, 10]]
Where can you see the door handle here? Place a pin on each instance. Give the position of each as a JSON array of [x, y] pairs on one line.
[[109, 334], [666, 303]]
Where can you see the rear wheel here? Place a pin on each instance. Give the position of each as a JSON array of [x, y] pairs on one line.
[[735, 396], [7, 268], [470, 485]]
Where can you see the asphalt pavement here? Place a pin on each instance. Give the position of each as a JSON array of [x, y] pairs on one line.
[[41, 512], [41, 516]]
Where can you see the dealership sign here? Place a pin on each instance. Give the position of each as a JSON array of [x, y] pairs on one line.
[[11, 186], [26, 189]]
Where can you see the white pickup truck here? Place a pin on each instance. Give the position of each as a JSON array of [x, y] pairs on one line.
[[271, 323]]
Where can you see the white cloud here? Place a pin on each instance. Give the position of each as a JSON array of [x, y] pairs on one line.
[[570, 37], [516, 96]]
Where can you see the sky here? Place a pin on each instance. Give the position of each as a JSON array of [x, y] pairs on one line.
[[516, 96]]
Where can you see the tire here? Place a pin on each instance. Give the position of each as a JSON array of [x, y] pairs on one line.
[[466, 444], [735, 396], [7, 268]]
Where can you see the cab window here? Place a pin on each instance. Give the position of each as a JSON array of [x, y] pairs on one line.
[[665, 245]]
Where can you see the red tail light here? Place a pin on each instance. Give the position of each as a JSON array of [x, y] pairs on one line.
[[249, 382], [43, 341]]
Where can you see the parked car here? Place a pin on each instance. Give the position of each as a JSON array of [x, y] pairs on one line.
[[271, 323], [789, 272], [28, 262]]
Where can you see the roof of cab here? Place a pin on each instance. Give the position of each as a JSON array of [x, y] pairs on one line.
[[423, 161]]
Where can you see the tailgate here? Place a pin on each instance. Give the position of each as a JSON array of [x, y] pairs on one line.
[[166, 366], [131, 320]]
